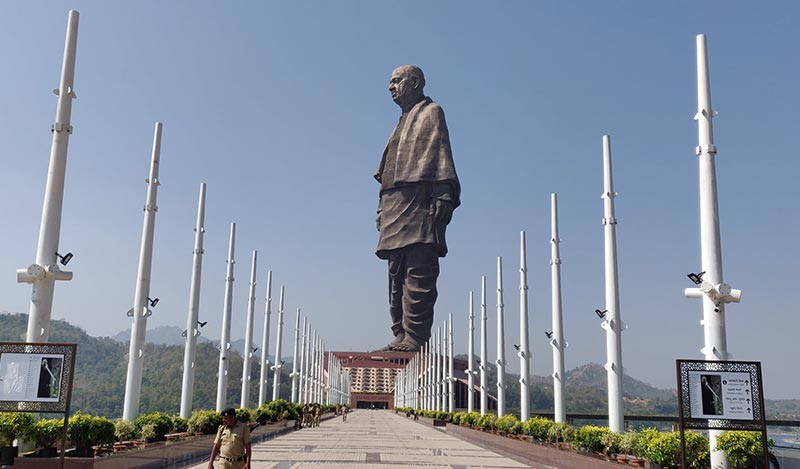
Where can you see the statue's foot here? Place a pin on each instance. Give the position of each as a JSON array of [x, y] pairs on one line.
[[398, 339], [407, 345]]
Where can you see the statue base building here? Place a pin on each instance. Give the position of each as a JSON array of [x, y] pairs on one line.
[[373, 376]]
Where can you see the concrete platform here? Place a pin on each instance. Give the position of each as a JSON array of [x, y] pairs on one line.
[[375, 439]]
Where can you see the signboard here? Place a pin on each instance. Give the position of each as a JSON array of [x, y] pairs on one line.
[[724, 395], [36, 377], [721, 394]]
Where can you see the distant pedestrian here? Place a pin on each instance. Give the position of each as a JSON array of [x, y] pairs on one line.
[[317, 415], [344, 414], [232, 443]]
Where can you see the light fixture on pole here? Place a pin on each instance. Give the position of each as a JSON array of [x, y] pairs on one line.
[[64, 260], [697, 279]]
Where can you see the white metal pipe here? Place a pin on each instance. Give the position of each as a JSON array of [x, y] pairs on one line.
[[435, 381], [140, 313], [424, 377], [451, 403], [482, 368], [318, 381], [192, 324], [294, 356], [443, 370], [276, 378], [225, 336], [715, 298], [264, 374], [307, 365], [470, 358], [312, 365], [312, 370], [612, 324], [501, 344], [440, 376], [247, 355], [524, 346], [556, 337], [428, 372], [45, 271], [301, 378]]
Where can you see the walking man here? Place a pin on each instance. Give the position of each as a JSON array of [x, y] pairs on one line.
[[232, 443]]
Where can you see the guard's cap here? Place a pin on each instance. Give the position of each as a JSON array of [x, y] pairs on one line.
[[228, 412]]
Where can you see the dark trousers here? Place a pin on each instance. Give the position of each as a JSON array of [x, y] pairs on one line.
[[413, 271]]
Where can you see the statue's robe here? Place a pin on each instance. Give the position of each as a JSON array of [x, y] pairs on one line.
[[416, 168]]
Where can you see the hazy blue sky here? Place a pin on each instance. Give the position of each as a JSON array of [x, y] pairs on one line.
[[283, 109]]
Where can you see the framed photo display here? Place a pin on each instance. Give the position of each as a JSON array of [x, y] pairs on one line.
[[724, 395], [36, 377]]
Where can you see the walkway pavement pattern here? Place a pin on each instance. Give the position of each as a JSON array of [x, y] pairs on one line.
[[372, 439]]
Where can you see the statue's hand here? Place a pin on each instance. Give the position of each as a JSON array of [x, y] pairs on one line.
[[378, 222], [442, 211]]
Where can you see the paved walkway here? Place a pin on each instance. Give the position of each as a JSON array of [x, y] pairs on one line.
[[372, 439]]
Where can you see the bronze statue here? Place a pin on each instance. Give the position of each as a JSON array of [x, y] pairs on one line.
[[419, 191]]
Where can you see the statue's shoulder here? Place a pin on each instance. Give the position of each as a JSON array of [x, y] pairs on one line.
[[431, 107]]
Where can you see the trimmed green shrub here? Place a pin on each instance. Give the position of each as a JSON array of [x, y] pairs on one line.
[[14, 425], [560, 432], [45, 433], [662, 448], [537, 427], [629, 443], [85, 431], [697, 452], [162, 424], [244, 415], [589, 437], [611, 442], [472, 419], [508, 424], [276, 410], [123, 430], [204, 421], [148, 432], [743, 448], [179, 424], [487, 421]]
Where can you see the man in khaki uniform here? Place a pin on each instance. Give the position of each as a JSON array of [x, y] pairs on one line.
[[232, 443]]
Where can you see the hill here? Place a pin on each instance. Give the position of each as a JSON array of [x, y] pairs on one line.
[[101, 368], [161, 335], [173, 335]]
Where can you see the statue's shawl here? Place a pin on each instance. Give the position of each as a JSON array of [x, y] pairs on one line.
[[423, 150]]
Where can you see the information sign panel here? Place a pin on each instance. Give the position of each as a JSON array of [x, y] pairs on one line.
[[36, 377]]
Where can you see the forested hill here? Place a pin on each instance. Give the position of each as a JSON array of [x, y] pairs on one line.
[[101, 367]]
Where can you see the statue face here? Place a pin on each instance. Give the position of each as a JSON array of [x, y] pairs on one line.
[[404, 87]]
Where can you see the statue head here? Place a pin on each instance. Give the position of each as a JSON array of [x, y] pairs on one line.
[[406, 85]]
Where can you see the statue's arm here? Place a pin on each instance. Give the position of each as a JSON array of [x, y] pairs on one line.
[[442, 206]]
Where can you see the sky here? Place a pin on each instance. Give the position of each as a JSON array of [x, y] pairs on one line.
[[283, 109]]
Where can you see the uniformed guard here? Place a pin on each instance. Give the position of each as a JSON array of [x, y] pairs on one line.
[[232, 443]]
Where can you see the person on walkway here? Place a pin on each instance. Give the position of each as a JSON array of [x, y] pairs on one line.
[[317, 415], [419, 191], [232, 443], [344, 414], [306, 416]]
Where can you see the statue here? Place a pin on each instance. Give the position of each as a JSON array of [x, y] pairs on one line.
[[419, 191]]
